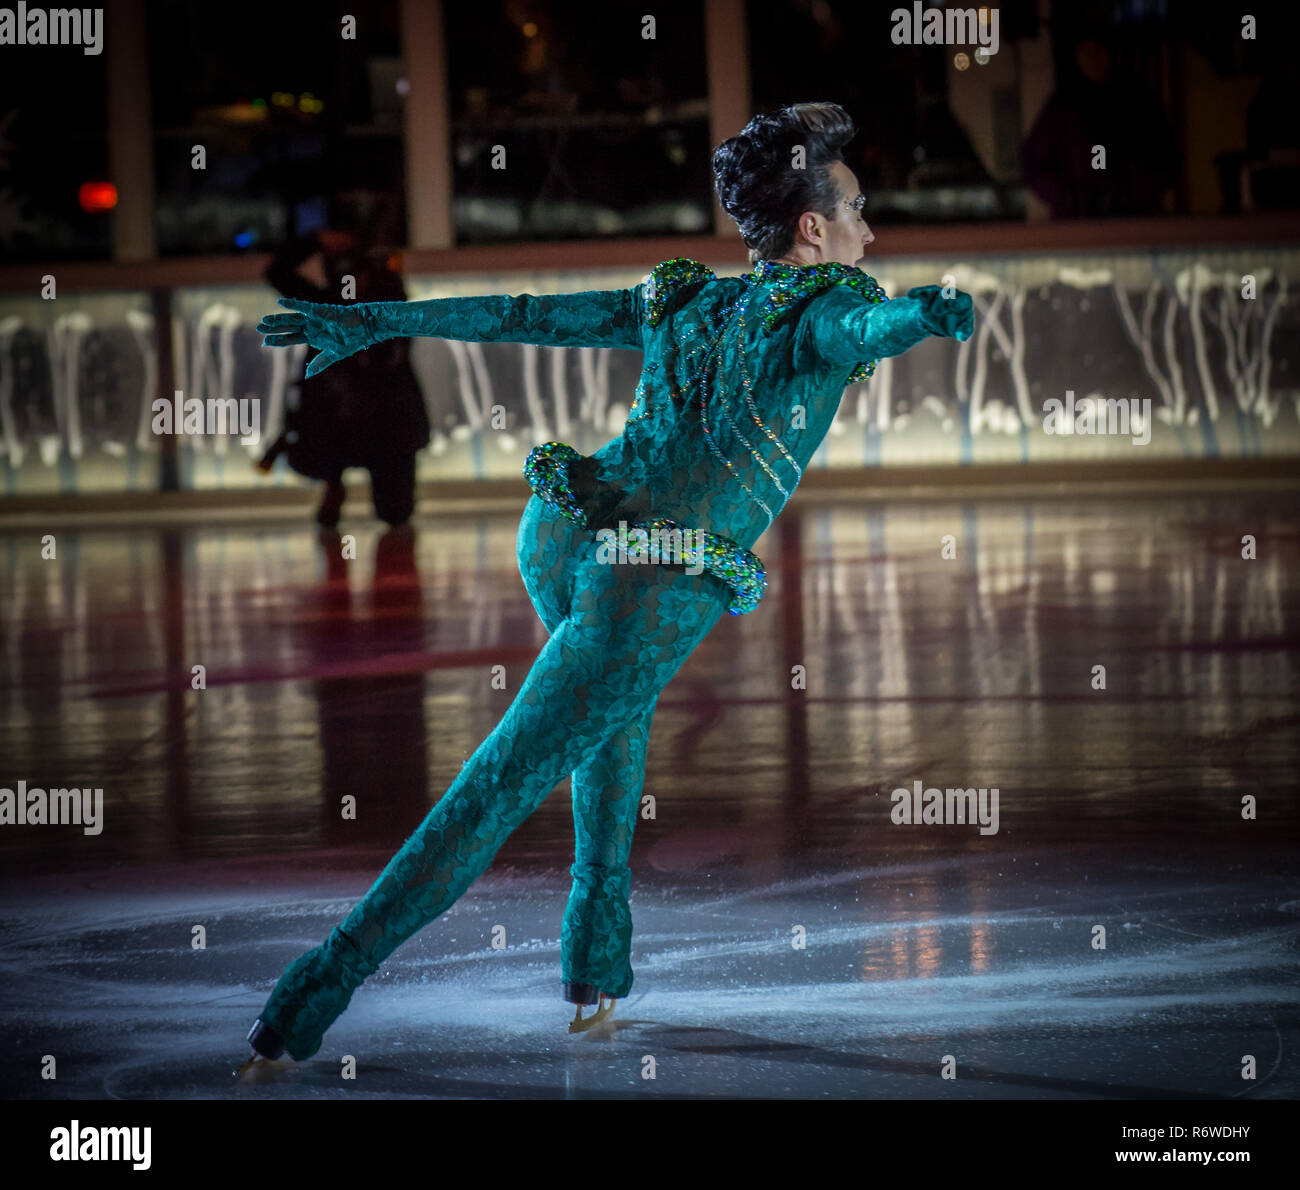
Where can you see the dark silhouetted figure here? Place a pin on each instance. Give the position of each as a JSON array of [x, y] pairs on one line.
[[1088, 109], [365, 411]]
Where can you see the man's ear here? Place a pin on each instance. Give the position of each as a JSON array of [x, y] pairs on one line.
[[806, 226]]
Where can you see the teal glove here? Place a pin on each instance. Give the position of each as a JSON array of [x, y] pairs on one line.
[[953, 318], [595, 318], [335, 331], [841, 328]]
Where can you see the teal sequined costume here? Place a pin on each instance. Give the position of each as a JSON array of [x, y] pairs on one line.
[[742, 377]]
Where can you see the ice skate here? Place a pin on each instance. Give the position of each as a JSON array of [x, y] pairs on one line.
[[265, 1061], [602, 1013], [260, 1069], [311, 994]]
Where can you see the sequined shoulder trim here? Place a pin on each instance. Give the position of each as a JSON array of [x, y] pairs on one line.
[[794, 284], [668, 279]]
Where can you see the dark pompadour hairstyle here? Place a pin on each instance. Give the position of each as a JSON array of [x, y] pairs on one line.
[[758, 183]]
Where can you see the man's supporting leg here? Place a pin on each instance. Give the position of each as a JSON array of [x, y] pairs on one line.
[[596, 937]]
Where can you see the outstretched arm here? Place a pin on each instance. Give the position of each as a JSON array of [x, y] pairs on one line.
[[594, 318], [841, 327]]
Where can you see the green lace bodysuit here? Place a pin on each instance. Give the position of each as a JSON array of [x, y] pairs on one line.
[[741, 379]]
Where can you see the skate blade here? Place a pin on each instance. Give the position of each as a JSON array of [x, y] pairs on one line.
[[602, 1014], [259, 1069]]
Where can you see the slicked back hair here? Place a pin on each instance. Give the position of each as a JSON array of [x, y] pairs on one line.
[[758, 179]]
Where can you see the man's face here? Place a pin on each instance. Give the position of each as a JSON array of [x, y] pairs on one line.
[[847, 235]]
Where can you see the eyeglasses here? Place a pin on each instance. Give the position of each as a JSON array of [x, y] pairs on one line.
[[855, 204]]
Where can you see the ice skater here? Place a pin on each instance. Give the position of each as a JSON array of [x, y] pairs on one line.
[[741, 379]]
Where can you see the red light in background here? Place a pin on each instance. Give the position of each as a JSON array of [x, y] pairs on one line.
[[97, 196]]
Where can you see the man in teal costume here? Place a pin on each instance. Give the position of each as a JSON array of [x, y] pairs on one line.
[[741, 380]]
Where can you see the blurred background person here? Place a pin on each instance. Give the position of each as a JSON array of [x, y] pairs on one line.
[[1091, 108], [368, 411]]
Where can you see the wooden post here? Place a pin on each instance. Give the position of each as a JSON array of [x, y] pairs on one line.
[[426, 123], [130, 130], [727, 63], [169, 465]]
